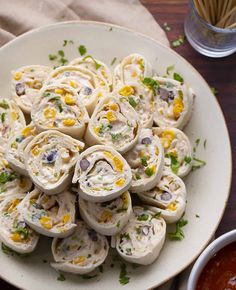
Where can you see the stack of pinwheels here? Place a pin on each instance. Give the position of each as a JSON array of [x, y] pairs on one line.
[[90, 163]]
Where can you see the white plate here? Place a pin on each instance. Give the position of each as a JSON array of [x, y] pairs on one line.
[[208, 188]]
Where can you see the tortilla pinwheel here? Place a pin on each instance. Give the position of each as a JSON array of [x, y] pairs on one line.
[[60, 108], [26, 83], [141, 99], [177, 150], [49, 160], [133, 68], [115, 123], [102, 173], [16, 146], [146, 160], [97, 67], [142, 239], [11, 120], [14, 232], [107, 218], [168, 197], [81, 252], [173, 103], [11, 182], [88, 85], [50, 215]]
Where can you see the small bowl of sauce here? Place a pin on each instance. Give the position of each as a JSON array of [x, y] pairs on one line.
[[215, 269]]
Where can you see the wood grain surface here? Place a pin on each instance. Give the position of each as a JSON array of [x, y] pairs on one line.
[[219, 73]]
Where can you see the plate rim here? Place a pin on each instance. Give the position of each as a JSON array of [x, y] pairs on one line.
[[228, 141]]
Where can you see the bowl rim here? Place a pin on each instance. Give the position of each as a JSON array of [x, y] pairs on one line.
[[207, 254], [186, 63]]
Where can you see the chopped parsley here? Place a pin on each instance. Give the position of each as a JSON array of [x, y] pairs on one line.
[[24, 232], [6, 250], [61, 53], [144, 161], [156, 215], [205, 143], [6, 176], [118, 224], [82, 50], [97, 65], [197, 216], [52, 56], [65, 42], [174, 165], [137, 176], [3, 189], [149, 171], [4, 105], [125, 235], [61, 277], [178, 235], [3, 117], [170, 69], [187, 159], [59, 105], [178, 77], [143, 217], [132, 102], [180, 40], [214, 91], [198, 163], [123, 278], [116, 137], [151, 84], [113, 61]]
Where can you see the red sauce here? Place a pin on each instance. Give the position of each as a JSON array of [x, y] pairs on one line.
[[220, 272]]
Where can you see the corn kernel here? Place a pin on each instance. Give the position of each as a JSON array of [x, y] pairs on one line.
[[66, 218], [141, 64], [13, 205], [36, 150], [178, 107], [120, 182], [114, 107], [142, 153], [79, 260], [102, 83], [14, 115], [5, 163], [46, 222], [17, 76], [69, 100], [126, 91], [59, 91], [108, 154], [49, 113], [96, 130], [118, 164], [110, 116], [73, 84], [69, 122], [157, 151], [106, 216], [16, 237], [27, 131], [172, 206], [14, 145], [125, 198]]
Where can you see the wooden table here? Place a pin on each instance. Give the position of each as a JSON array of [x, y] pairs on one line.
[[219, 73]]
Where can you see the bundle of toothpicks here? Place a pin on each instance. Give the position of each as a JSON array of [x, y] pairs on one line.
[[219, 13]]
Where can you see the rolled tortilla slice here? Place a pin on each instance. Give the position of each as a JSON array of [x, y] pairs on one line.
[[114, 123], [49, 160], [107, 218], [87, 84], [133, 68], [81, 252], [16, 146], [26, 83], [141, 99], [11, 120], [141, 240], [95, 66], [11, 182], [173, 103], [103, 174], [146, 160], [177, 150], [14, 232], [168, 197], [60, 108], [52, 216]]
